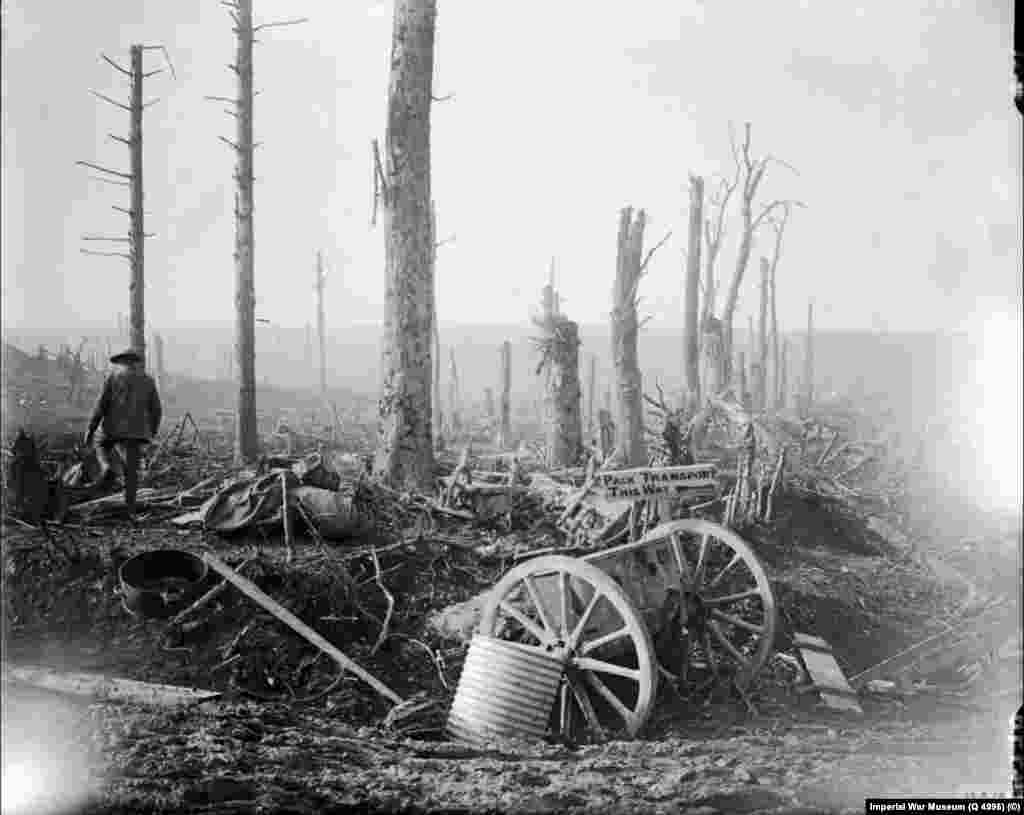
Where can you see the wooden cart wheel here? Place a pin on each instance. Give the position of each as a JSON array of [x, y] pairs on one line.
[[566, 607], [728, 609]]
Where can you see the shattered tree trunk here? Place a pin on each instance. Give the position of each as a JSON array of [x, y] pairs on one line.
[[437, 416], [246, 435], [808, 383], [405, 452], [742, 394], [321, 329], [591, 386], [630, 449], [137, 286], [564, 428], [712, 367], [453, 395], [761, 385], [159, 372], [783, 395], [505, 405], [691, 347], [777, 377]]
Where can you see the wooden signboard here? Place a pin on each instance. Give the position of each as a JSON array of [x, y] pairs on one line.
[[648, 482]]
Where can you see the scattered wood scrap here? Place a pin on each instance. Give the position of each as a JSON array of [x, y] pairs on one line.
[[97, 686], [826, 676]]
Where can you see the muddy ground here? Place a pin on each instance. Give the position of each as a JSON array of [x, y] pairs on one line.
[[288, 736]]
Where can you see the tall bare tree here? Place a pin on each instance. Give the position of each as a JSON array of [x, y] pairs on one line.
[[134, 181], [630, 264], [319, 281], [752, 172], [778, 224], [714, 234], [761, 384], [691, 328], [505, 404], [405, 452], [808, 383]]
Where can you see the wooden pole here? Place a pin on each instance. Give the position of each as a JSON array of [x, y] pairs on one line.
[[250, 590], [762, 338], [320, 280], [691, 294], [808, 382], [505, 428], [246, 435], [137, 284]]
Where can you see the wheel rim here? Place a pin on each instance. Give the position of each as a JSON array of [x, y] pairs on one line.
[[728, 612], [571, 609]]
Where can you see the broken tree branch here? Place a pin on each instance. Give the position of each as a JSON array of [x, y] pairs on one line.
[[279, 23], [114, 65], [106, 254], [103, 169], [111, 101], [386, 625], [652, 250]]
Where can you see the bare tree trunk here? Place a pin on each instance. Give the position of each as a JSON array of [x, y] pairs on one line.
[[808, 383], [743, 395], [777, 377], [504, 428], [321, 328], [762, 339], [158, 361], [454, 406], [712, 367], [630, 448], [489, 402], [437, 415], [591, 386], [691, 346], [564, 430], [137, 285], [405, 453], [247, 434], [783, 395]]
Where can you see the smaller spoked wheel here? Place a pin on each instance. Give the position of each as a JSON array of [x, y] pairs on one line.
[[727, 610], [570, 609]]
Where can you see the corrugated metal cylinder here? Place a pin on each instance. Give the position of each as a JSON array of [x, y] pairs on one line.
[[506, 690]]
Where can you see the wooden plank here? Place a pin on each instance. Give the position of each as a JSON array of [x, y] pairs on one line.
[[825, 673], [97, 686], [252, 591]]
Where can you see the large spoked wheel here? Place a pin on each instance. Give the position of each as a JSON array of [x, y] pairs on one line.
[[570, 609], [727, 609]]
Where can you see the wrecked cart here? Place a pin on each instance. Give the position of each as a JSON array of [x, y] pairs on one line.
[[575, 646]]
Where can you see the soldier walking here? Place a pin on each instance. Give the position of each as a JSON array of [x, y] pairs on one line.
[[128, 414]]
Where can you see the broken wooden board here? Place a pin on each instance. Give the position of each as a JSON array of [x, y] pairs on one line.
[[826, 676], [106, 688]]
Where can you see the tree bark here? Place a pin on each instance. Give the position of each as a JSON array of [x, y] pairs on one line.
[[630, 448], [564, 429], [454, 411], [591, 387], [743, 395], [712, 367], [405, 452], [246, 435], [691, 347], [159, 371], [505, 405], [437, 415], [137, 284], [783, 395]]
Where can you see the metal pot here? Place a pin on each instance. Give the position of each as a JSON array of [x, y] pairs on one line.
[[161, 583]]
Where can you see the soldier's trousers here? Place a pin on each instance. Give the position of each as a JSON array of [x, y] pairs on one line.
[[120, 457]]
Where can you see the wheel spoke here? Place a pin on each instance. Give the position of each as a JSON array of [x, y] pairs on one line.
[[610, 698], [541, 610], [583, 700], [593, 645], [600, 666], [718, 578], [736, 621], [709, 652], [563, 592], [698, 576], [730, 598], [565, 714], [733, 652], [524, 621], [584, 619], [684, 568]]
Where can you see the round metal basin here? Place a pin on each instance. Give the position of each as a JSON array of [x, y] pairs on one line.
[[161, 583]]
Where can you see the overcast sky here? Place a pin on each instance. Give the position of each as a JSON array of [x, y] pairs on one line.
[[898, 116]]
